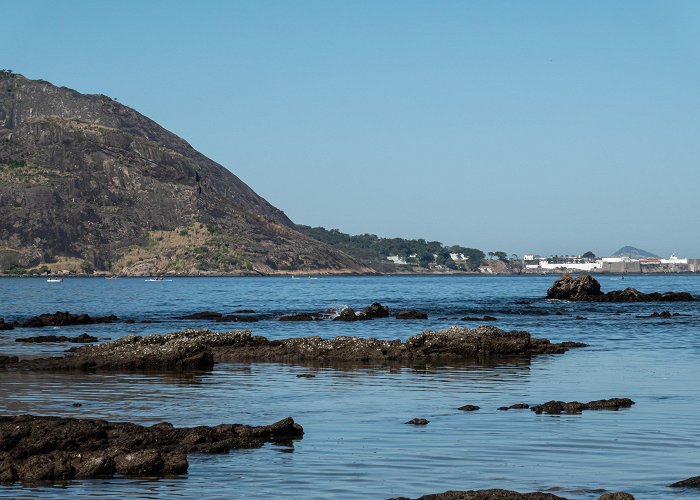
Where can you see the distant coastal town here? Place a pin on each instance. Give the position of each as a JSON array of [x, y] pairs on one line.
[[615, 264]]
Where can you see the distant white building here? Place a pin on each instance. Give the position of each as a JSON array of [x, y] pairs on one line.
[[674, 260]]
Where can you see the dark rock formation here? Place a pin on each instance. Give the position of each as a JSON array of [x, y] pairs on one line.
[[236, 318], [204, 315], [6, 326], [376, 310], [83, 338], [469, 408], [487, 495], [616, 495], [580, 318], [58, 449], [411, 314], [301, 317], [586, 288], [485, 318], [691, 482], [348, 314], [517, 406], [453, 344], [85, 177], [197, 349], [65, 319], [573, 407], [662, 315], [418, 421]]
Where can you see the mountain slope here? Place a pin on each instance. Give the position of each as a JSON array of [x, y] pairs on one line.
[[634, 253], [84, 179]]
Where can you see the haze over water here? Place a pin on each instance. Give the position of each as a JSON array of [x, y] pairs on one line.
[[356, 444]]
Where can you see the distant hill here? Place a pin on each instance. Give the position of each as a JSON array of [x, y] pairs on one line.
[[87, 183], [634, 253]]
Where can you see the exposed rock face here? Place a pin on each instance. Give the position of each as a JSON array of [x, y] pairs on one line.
[[84, 178], [57, 449], [616, 495], [586, 288], [567, 287], [469, 408], [418, 421], [573, 407], [487, 495], [198, 349], [6, 326], [376, 310]]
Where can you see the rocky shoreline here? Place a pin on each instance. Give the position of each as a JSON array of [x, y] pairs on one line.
[[497, 494], [34, 448]]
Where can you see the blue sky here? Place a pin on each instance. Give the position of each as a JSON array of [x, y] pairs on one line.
[[549, 127]]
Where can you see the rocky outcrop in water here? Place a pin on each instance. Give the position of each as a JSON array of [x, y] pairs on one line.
[[6, 326], [36, 448], [469, 408], [516, 406], [65, 319], [376, 310], [452, 344], [573, 407], [83, 338], [418, 421], [494, 494], [198, 349], [301, 317], [691, 482], [661, 315], [586, 288], [411, 314]]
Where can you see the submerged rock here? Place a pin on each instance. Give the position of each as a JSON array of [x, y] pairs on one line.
[[494, 494], [36, 448], [411, 314], [418, 421], [83, 338], [203, 315], [616, 495], [586, 288], [484, 318], [517, 406], [573, 407], [469, 408], [662, 314], [6, 326], [300, 317]]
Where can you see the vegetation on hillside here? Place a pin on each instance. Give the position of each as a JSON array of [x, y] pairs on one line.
[[373, 250]]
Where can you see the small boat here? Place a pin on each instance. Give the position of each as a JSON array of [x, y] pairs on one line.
[[54, 280]]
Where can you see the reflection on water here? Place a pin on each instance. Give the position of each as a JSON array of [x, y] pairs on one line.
[[356, 443]]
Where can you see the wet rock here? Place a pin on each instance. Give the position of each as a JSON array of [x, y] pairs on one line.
[[65, 319], [54, 448], [580, 318], [6, 326], [8, 360], [306, 375], [244, 311], [348, 314], [617, 495], [494, 494], [469, 408], [418, 421], [452, 344], [608, 404], [300, 317], [411, 314], [569, 288], [587, 288], [198, 349], [574, 407], [484, 318], [691, 482], [517, 406], [212, 315], [662, 314], [234, 318], [77, 405], [83, 338], [129, 321], [376, 310]]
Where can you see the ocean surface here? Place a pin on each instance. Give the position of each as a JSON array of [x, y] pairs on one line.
[[356, 444]]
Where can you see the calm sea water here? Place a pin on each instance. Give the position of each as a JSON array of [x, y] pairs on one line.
[[356, 443]]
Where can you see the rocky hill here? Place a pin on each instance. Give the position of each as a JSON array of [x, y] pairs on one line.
[[87, 183], [634, 253]]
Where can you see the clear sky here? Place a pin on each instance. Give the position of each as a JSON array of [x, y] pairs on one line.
[[522, 126]]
